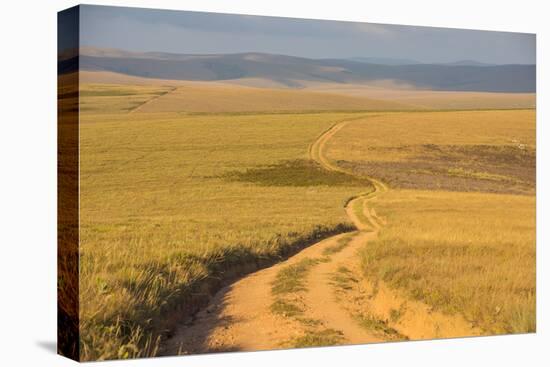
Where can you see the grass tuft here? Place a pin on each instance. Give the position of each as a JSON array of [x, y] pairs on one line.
[[286, 308], [380, 327], [291, 279], [318, 338], [341, 244]]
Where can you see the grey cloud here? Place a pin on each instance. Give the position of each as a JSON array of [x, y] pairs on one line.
[[196, 32]]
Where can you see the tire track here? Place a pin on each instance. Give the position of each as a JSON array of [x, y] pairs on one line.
[[239, 317], [140, 106]]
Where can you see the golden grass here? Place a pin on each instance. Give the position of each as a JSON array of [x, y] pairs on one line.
[[486, 151], [164, 217], [467, 253], [429, 99], [195, 97], [113, 98], [409, 129], [159, 214], [385, 91]]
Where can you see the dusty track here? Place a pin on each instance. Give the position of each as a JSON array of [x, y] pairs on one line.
[[139, 107], [240, 316]]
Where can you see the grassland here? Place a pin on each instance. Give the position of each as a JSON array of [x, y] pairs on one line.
[[487, 151], [169, 201], [221, 98], [376, 95], [174, 202], [457, 238], [113, 98], [466, 253], [429, 99]]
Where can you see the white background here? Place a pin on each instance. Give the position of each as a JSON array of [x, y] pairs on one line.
[[28, 181]]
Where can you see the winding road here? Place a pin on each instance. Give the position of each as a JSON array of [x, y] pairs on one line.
[[240, 316]]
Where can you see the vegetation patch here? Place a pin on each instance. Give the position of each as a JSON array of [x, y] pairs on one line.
[[481, 151], [318, 338], [484, 168], [299, 172], [395, 314], [380, 327], [343, 279], [286, 308], [287, 288], [461, 172], [341, 244], [292, 278]]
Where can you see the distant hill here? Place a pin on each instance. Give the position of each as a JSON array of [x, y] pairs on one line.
[[468, 63], [292, 72], [385, 61]]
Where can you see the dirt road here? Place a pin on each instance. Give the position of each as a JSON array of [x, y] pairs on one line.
[[334, 303]]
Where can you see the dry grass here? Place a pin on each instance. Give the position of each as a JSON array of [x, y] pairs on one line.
[[468, 253], [288, 289], [112, 98], [341, 244], [488, 151], [318, 338], [161, 223], [406, 129], [159, 217], [461, 252], [429, 99], [387, 91], [221, 98]]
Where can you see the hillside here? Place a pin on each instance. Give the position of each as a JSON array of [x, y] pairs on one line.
[[101, 89], [218, 98], [294, 71]]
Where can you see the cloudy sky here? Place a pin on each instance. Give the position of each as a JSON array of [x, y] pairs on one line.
[[206, 33]]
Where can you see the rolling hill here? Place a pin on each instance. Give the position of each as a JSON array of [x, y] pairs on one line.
[[295, 72]]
